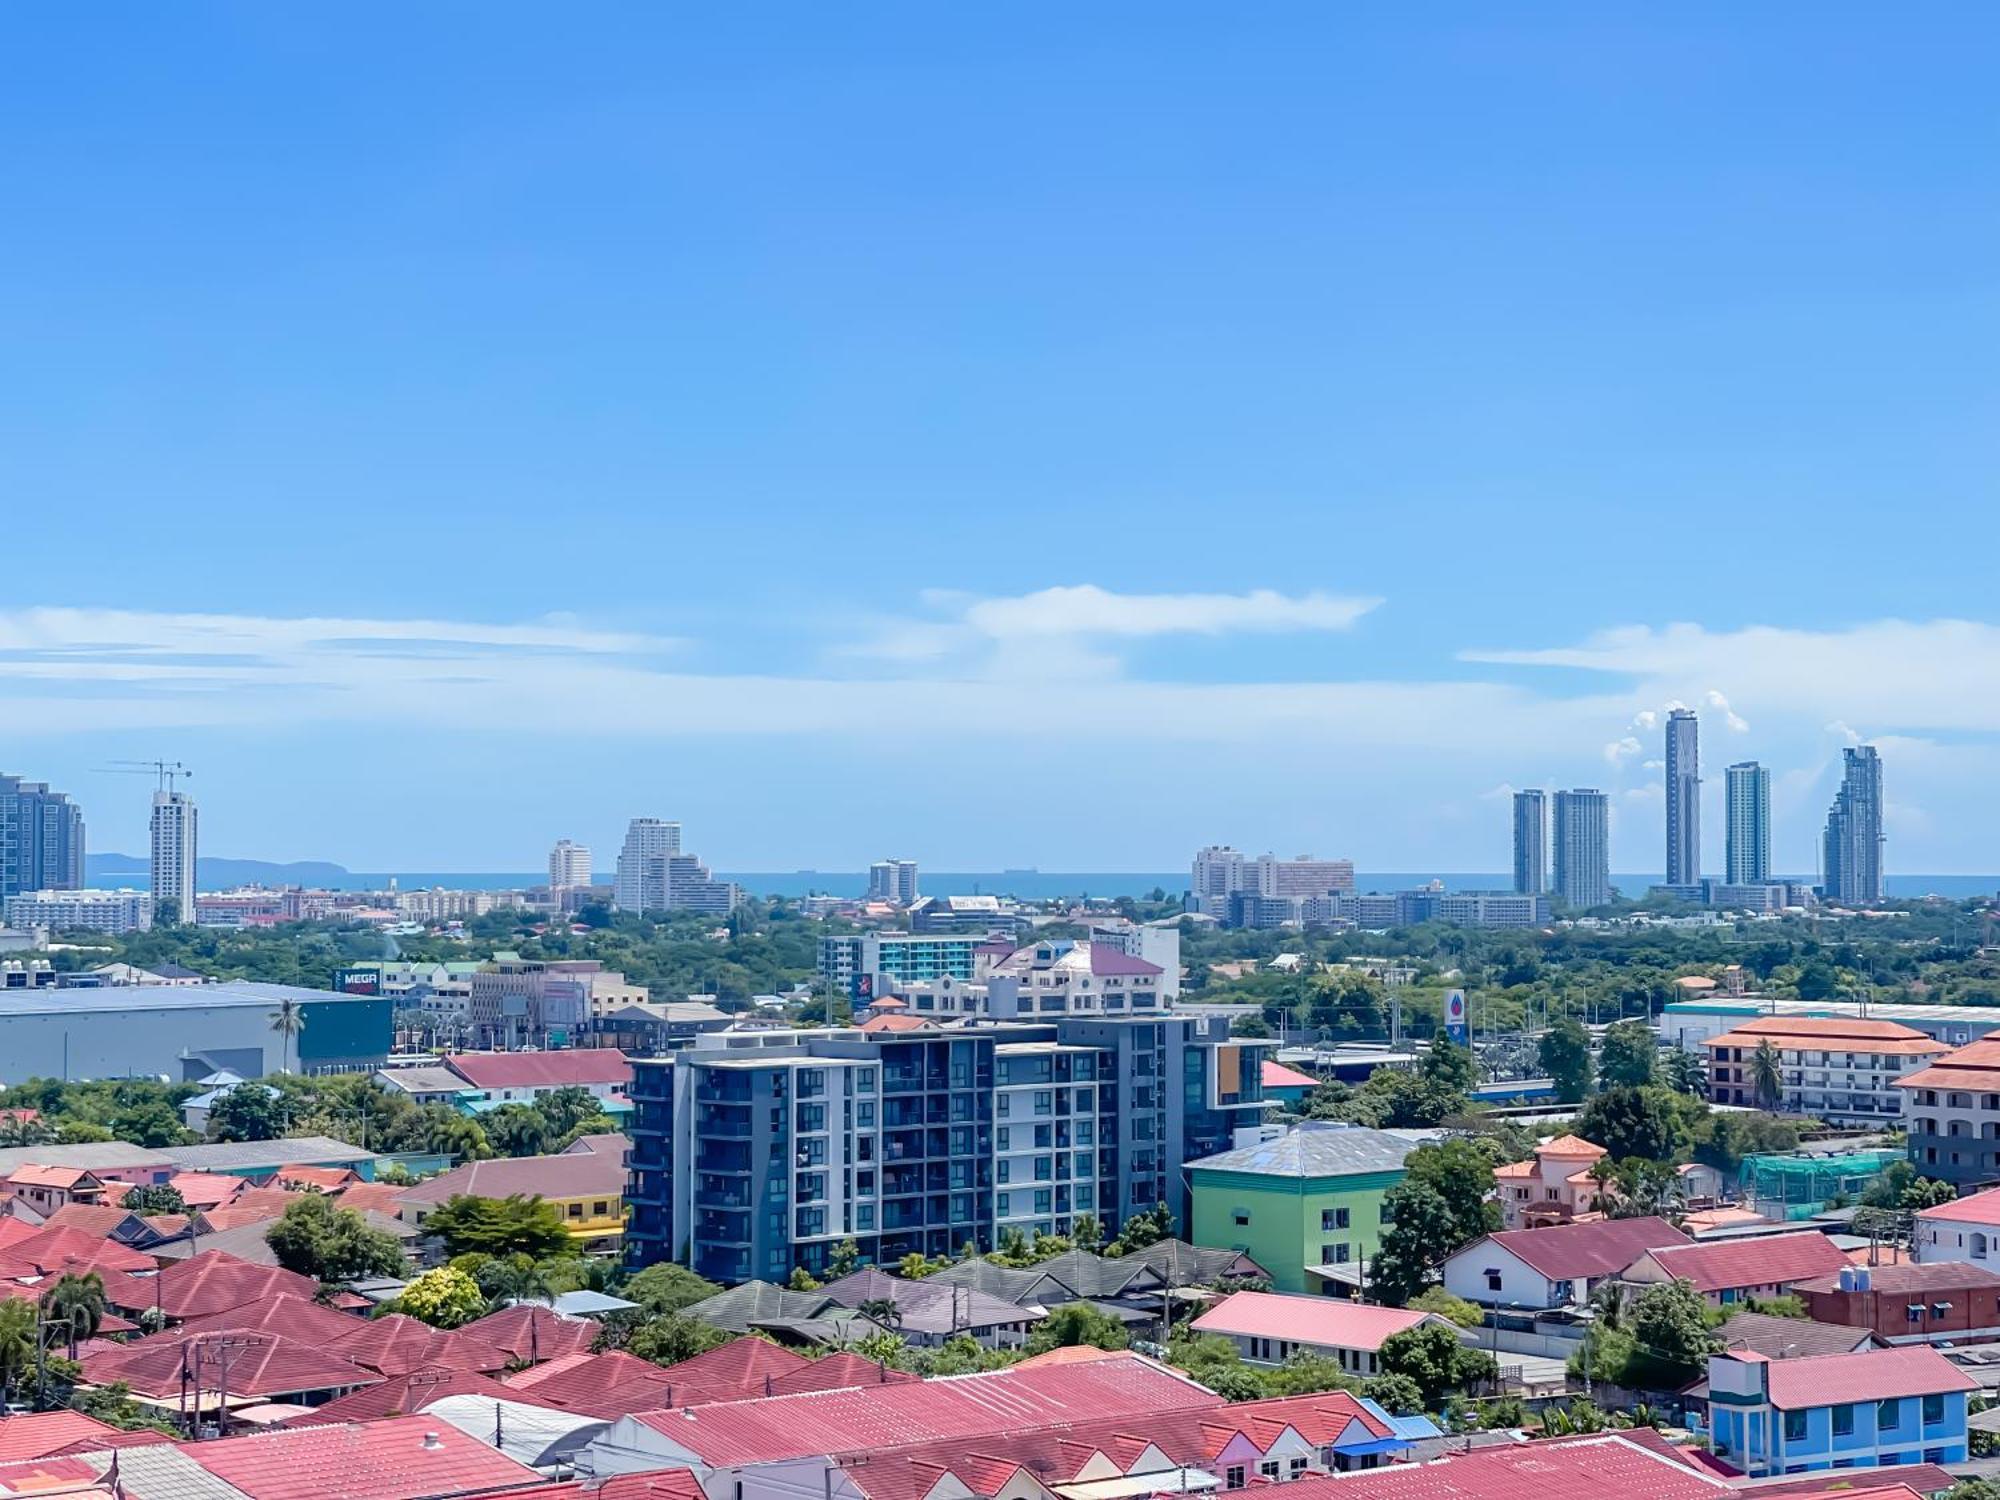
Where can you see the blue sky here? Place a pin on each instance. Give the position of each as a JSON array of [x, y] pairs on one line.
[[1058, 436]]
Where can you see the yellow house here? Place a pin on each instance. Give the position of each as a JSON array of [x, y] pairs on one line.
[[586, 1185]]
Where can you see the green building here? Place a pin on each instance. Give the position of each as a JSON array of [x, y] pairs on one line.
[[1307, 1206]]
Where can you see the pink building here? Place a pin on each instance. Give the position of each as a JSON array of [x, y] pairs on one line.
[[1554, 1187]]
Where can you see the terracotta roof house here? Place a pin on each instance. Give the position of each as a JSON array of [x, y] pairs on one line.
[[1728, 1271], [1554, 1186], [533, 1333], [401, 1395], [1269, 1327], [1844, 1071], [526, 1074], [397, 1344], [40, 1434], [1602, 1466], [586, 1189], [265, 1366], [391, 1459], [1555, 1266], [211, 1282]]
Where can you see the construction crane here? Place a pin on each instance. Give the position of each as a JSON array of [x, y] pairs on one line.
[[164, 772]]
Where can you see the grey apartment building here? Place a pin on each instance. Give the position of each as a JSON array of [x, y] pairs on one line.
[[1583, 848]]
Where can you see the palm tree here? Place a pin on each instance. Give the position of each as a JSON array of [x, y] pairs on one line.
[[1766, 1075], [288, 1020], [78, 1301], [1683, 1072], [882, 1310], [18, 1334], [1612, 1300]]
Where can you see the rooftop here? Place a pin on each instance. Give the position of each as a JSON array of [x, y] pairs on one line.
[[1774, 1260], [1829, 1032], [1978, 1208], [1871, 1375], [227, 994], [1944, 1275], [1308, 1320], [1316, 1148], [1789, 1338], [386, 1460], [1586, 1469], [1973, 1067], [586, 1174], [1587, 1250], [542, 1070]]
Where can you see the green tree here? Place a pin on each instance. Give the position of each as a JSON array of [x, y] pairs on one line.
[[1928, 1192], [669, 1339], [1086, 1232], [1398, 1395], [18, 1336], [316, 1238], [1306, 1374], [1077, 1323], [1462, 1175], [1422, 1232], [78, 1302], [1628, 1056], [288, 1020], [803, 1280], [1652, 1122], [566, 1108], [1147, 1227], [1454, 1309], [1767, 1079], [1449, 1067], [1683, 1072], [250, 1112], [514, 1225], [518, 1130], [1215, 1363], [844, 1259], [1672, 1337], [1974, 1489], [444, 1297], [154, 1198], [1431, 1356], [1564, 1055], [665, 1287]]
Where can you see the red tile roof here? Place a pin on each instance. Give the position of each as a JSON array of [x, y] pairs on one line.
[[1925, 1479], [55, 1248], [386, 1460], [45, 1433], [293, 1317], [533, 1333], [207, 1189], [745, 1363], [1774, 1261], [1979, 1208], [257, 1364], [582, 1385], [1905, 1276], [1278, 1076], [63, 1178], [411, 1392], [1871, 1375], [13, 1231], [863, 1419], [1589, 1249], [1307, 1320], [596, 1174], [1974, 1067], [542, 1070], [397, 1344], [1832, 1032], [1588, 1469], [214, 1281], [833, 1372]]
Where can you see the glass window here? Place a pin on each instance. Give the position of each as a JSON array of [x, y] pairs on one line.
[[1795, 1426], [1887, 1415], [1933, 1410], [1843, 1420]]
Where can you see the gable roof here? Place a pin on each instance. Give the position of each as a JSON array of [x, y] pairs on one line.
[[1019, 1285], [746, 1363], [407, 1393], [925, 1308], [588, 1174], [1326, 1321], [1832, 1032], [1790, 1338], [260, 1364], [1908, 1276], [1178, 1263], [215, 1281], [1586, 1469], [1776, 1260], [1315, 1148], [1871, 1375], [529, 1332], [39, 1434], [385, 1460], [739, 1307], [396, 1344], [1277, 1076], [294, 1317], [1978, 1208], [581, 1066], [1586, 1250]]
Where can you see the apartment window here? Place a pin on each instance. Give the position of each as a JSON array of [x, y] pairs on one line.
[[1933, 1410], [1295, 1467], [1843, 1420], [576, 1210], [1492, 1281], [1233, 1477], [1795, 1426], [1887, 1415], [1003, 1203], [600, 1208], [1241, 1217], [1332, 1218], [1268, 1468]]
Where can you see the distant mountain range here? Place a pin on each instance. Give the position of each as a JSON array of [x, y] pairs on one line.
[[215, 874]]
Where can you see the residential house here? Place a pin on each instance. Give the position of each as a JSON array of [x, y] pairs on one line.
[[1731, 1271], [930, 1313], [1953, 1110], [46, 1189], [427, 1085], [1554, 1186], [1943, 1302], [1966, 1229], [523, 1077], [586, 1188], [1268, 1328], [1847, 1411], [1307, 1206], [1835, 1069], [1558, 1265]]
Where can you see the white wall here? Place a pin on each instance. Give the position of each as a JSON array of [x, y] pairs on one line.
[[1520, 1284]]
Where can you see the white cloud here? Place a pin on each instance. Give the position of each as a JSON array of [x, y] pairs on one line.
[[1088, 610], [1720, 704], [1621, 750]]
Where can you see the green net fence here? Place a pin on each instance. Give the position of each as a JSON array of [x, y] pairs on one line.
[[1797, 1187]]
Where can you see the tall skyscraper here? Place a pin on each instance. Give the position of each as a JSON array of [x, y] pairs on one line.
[[1853, 868], [1683, 798], [1583, 848], [648, 841], [173, 853], [1748, 860], [1531, 841], [569, 865], [893, 880], [41, 839]]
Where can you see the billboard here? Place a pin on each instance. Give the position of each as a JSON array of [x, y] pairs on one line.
[[358, 981], [565, 1003], [1454, 1016]]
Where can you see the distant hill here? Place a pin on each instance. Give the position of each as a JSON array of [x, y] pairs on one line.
[[215, 874]]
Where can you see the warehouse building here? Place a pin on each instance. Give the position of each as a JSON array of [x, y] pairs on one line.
[[182, 1035]]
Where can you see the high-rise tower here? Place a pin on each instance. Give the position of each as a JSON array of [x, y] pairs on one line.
[[641, 884], [1583, 848], [1749, 814], [173, 855], [1683, 798], [1853, 850], [1531, 841]]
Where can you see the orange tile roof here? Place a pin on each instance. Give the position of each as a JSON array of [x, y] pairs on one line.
[[1976, 1067], [1880, 1037]]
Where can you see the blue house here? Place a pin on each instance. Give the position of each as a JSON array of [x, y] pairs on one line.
[[1837, 1411]]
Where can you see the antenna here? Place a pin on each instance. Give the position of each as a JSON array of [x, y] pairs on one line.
[[163, 772]]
